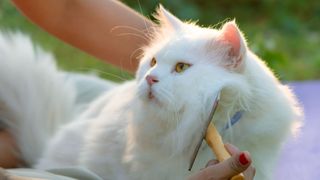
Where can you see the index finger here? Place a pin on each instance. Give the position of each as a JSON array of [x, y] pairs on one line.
[[231, 149]]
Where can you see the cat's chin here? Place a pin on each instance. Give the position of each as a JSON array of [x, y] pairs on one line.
[[151, 95], [151, 100]]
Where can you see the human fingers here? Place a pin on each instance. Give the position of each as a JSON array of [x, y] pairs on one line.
[[238, 163], [212, 162], [250, 172], [231, 148]]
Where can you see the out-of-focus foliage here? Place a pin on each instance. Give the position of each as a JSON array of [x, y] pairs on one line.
[[285, 33]]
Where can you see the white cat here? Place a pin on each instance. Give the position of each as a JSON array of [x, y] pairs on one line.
[[148, 128]]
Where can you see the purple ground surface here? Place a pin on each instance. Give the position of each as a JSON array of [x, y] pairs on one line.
[[300, 158]]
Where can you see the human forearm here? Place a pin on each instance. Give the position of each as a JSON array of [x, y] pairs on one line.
[[103, 28]]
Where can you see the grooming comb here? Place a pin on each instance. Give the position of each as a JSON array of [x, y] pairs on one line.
[[214, 140]]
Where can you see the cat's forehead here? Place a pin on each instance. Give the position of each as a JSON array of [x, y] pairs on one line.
[[188, 44], [185, 46], [174, 52]]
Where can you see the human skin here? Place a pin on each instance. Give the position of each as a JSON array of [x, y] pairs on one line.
[[106, 29], [8, 151], [240, 162]]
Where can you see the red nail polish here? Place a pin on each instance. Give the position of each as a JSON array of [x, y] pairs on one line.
[[243, 159]]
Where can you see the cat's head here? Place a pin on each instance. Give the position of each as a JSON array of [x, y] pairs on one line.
[[186, 64]]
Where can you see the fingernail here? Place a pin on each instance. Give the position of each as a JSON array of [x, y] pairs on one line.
[[243, 159]]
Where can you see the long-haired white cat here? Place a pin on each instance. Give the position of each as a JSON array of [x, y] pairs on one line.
[[148, 128]]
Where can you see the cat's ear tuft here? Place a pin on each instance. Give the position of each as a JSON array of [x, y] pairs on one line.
[[231, 36], [168, 20]]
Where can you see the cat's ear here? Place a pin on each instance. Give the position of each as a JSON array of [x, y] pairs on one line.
[[231, 36], [168, 20]]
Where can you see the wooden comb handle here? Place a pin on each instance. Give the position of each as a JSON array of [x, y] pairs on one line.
[[214, 141]]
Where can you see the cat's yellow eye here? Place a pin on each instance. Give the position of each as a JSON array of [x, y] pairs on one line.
[[153, 62], [180, 67]]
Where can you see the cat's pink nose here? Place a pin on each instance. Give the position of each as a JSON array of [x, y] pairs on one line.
[[151, 79]]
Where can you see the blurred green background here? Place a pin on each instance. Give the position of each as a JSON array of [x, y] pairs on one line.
[[285, 33]]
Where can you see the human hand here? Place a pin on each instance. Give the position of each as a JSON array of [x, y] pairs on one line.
[[8, 151], [240, 162]]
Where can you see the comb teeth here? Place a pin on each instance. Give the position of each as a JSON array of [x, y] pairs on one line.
[[194, 155], [196, 150]]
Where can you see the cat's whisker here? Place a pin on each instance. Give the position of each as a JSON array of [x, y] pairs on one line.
[[176, 118], [133, 54], [166, 92], [133, 34], [146, 33], [143, 32], [165, 95], [152, 33], [104, 73], [145, 22], [168, 96], [149, 34]]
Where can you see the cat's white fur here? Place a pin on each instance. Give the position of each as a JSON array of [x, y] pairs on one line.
[[126, 135]]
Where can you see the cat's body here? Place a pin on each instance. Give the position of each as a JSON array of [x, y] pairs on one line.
[[148, 128]]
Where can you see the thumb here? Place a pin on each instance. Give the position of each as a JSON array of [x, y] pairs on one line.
[[238, 163]]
